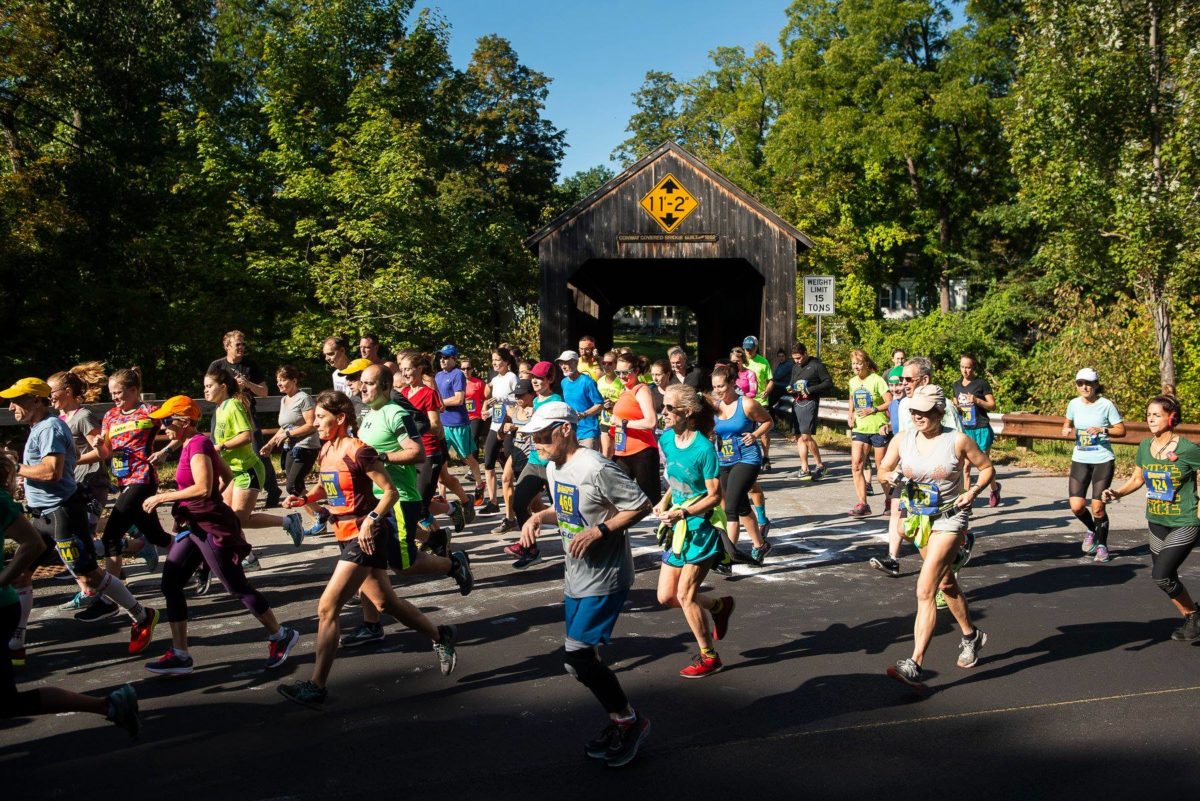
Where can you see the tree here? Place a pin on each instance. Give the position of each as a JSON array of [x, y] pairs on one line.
[[656, 119]]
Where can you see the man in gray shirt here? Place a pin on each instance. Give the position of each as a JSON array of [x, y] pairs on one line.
[[594, 504]]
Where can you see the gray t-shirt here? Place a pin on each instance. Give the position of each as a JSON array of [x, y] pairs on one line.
[[291, 414], [50, 436], [82, 422], [587, 490]]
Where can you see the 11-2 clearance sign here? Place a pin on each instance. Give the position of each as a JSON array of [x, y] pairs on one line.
[[669, 203]]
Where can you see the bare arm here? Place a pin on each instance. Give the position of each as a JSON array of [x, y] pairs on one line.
[[49, 469], [649, 418]]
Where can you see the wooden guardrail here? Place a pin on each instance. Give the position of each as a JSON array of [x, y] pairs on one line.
[[264, 405]]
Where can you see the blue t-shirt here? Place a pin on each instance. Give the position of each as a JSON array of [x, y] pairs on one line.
[[582, 393], [688, 468], [48, 437], [1098, 414], [449, 383], [538, 400]]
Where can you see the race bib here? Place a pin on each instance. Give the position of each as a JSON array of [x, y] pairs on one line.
[[862, 399], [120, 464], [969, 415], [730, 451], [1088, 442], [470, 406], [566, 508], [498, 413], [333, 489], [1160, 486], [68, 551], [921, 498], [801, 386], [620, 438]]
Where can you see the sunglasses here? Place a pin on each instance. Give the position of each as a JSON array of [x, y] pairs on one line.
[[905, 380], [672, 409], [608, 364], [176, 420], [624, 373], [546, 435], [1083, 383]]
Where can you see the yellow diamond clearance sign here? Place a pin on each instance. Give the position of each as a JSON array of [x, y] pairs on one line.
[[669, 203]]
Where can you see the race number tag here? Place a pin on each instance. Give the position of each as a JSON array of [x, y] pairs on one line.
[[620, 439], [1160, 486], [68, 551], [470, 406], [566, 508], [921, 499], [498, 412], [333, 489], [1088, 442], [730, 451], [969, 414], [862, 399], [120, 464], [801, 386]]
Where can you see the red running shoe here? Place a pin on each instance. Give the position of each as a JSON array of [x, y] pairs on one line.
[[702, 666], [141, 634], [721, 619]]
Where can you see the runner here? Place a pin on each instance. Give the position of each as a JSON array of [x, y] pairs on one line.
[[120, 706], [594, 505], [60, 516], [1092, 420], [897, 369], [253, 384], [297, 434], [517, 447], [208, 531], [808, 382], [691, 517], [232, 432], [476, 395], [581, 394], [1167, 465], [764, 374], [531, 481], [500, 397], [456, 425], [926, 463], [866, 418], [368, 348], [680, 372], [350, 473], [610, 390], [589, 364], [634, 448], [336, 350], [975, 400], [747, 380], [739, 427]]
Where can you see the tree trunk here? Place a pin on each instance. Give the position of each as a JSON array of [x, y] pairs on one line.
[[944, 267], [8, 129], [1160, 309]]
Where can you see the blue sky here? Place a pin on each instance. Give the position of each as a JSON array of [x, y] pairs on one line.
[[598, 52]]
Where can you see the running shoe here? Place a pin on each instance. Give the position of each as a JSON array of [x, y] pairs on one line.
[[818, 472], [251, 562], [140, 634], [964, 553], [597, 747], [316, 529], [529, 556], [460, 571], [457, 516], [887, 565], [870, 489], [203, 581], [81, 600], [278, 650], [758, 555], [150, 554], [506, 525], [969, 648], [469, 513], [994, 497], [766, 466], [354, 601], [514, 550], [123, 710], [702, 666], [803, 475], [444, 648], [362, 635], [723, 568], [1102, 553], [907, 672], [721, 619], [939, 600], [439, 542], [489, 508], [294, 527], [101, 609], [860, 510], [478, 496], [628, 740], [16, 656], [304, 693], [1089, 543], [170, 664], [1190, 630]]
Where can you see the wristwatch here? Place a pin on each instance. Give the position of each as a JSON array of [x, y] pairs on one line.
[[373, 515]]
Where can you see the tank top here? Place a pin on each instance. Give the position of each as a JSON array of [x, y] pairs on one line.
[[730, 450], [628, 441], [936, 475]]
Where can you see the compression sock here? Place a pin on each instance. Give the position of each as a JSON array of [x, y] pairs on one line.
[[1102, 531], [760, 514], [717, 606], [25, 599], [708, 653], [1085, 517]]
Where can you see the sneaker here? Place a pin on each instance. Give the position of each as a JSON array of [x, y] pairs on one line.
[[478, 496], [766, 467], [994, 496], [764, 529], [627, 741], [362, 635], [100, 609], [354, 601], [597, 747], [803, 475], [514, 550], [150, 554], [723, 568], [123, 710], [444, 648], [860, 510], [758, 555], [439, 542], [887, 565], [870, 489], [702, 666], [721, 619], [204, 580], [469, 513], [907, 672], [273, 501], [16, 656], [294, 527], [278, 650], [939, 600], [316, 529], [530, 556], [506, 525], [818, 472], [251, 562], [80, 601], [458, 517], [304, 693], [1101, 553], [140, 634], [1089, 543], [489, 508], [1190, 630], [170, 664], [964, 553], [460, 571], [968, 649]]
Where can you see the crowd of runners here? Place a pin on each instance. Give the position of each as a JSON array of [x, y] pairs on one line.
[[586, 445]]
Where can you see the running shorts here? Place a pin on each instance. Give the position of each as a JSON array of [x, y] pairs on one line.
[[460, 442], [806, 416], [1099, 476], [253, 479], [874, 440], [590, 620], [351, 552], [984, 436], [402, 546]]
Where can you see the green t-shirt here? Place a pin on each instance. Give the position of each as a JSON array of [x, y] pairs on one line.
[[385, 429], [9, 511], [865, 393], [1170, 485], [231, 419], [763, 374]]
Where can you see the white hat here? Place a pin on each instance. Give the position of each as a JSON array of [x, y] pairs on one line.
[[549, 414], [1087, 374], [568, 356], [927, 398]]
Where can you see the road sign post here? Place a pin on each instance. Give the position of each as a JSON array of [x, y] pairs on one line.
[[819, 300]]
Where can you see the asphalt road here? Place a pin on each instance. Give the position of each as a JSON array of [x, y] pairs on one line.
[[1079, 693]]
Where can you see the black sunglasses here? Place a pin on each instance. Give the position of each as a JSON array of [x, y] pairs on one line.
[[546, 435]]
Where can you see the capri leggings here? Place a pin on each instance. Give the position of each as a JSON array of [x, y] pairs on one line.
[[299, 464], [479, 431], [736, 481], [1169, 547], [642, 467], [427, 478], [492, 448], [530, 484], [1100, 476], [127, 512], [183, 559]]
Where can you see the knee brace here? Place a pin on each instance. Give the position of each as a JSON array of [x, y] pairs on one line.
[[582, 665], [1170, 586]]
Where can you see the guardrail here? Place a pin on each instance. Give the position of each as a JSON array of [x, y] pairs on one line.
[[264, 405]]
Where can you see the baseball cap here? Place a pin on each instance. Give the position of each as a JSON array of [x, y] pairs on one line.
[[549, 414], [27, 386], [357, 366], [542, 370], [926, 398], [448, 351], [568, 356], [1087, 374], [180, 405], [750, 342], [524, 387]]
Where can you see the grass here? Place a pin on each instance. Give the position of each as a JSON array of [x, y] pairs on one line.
[[652, 346]]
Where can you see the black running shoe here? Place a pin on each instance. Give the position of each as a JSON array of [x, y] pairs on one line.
[[887, 564], [597, 747], [101, 609], [460, 571], [627, 742], [362, 635]]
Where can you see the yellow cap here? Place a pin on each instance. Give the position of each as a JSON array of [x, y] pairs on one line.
[[356, 366], [180, 405], [27, 386]]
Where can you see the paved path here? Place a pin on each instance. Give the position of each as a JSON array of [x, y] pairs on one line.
[[1080, 691]]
